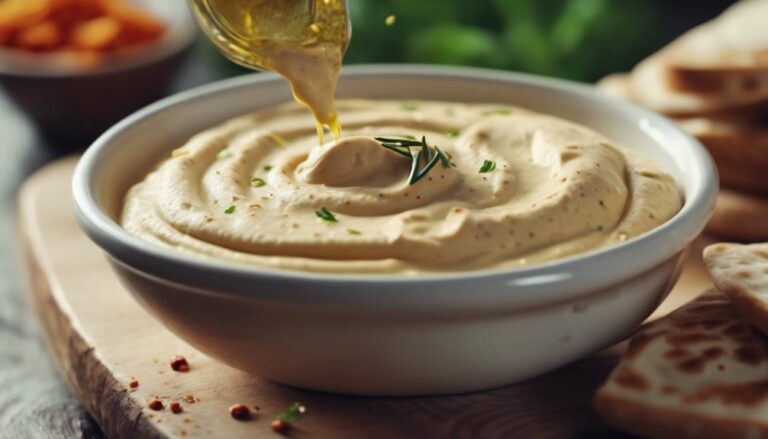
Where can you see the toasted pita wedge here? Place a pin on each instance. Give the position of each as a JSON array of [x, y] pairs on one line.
[[725, 56], [739, 216], [651, 84], [735, 41], [741, 272], [739, 147], [654, 85], [701, 372], [617, 84], [719, 66]]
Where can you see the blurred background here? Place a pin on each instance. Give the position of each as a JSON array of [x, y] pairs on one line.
[[75, 67], [51, 106], [576, 39]]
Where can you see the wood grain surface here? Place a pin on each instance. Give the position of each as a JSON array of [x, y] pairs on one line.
[[101, 340]]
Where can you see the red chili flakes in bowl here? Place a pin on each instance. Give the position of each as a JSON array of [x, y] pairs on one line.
[[179, 364]]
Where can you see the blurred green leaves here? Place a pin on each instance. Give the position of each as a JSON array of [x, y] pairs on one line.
[[577, 39], [453, 43]]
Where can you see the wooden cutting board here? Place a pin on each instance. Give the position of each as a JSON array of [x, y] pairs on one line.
[[101, 340]]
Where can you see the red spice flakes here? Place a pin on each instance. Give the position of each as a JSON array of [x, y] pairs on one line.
[[280, 426], [156, 404], [176, 407], [240, 412], [179, 364], [134, 384], [190, 399]]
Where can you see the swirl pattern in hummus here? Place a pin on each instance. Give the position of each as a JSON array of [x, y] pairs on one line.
[[248, 191]]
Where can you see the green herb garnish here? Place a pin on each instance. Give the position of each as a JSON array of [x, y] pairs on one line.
[[224, 153], [488, 166], [267, 168], [325, 215], [258, 182], [354, 232], [423, 161], [409, 106], [452, 133], [600, 228], [294, 411], [497, 111], [230, 210], [400, 146]]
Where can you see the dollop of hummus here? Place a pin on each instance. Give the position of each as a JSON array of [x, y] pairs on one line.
[[259, 190]]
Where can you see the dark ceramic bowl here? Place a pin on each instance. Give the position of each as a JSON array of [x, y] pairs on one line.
[[73, 104]]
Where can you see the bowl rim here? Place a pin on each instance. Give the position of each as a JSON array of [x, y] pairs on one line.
[[205, 275]]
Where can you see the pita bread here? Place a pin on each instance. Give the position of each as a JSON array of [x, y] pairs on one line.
[[654, 86], [726, 56], [700, 372], [718, 82], [719, 66], [741, 272], [739, 216], [617, 84], [734, 42], [739, 147]]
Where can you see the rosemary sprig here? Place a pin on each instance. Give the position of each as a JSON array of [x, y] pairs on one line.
[[399, 142], [422, 161], [416, 174], [445, 159]]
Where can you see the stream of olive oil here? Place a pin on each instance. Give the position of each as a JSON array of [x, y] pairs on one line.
[[303, 40]]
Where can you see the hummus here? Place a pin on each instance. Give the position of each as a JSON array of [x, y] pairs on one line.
[[258, 190]]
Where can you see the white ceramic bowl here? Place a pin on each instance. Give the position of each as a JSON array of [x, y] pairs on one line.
[[390, 335]]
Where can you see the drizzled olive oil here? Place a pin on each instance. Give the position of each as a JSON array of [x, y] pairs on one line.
[[302, 40]]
